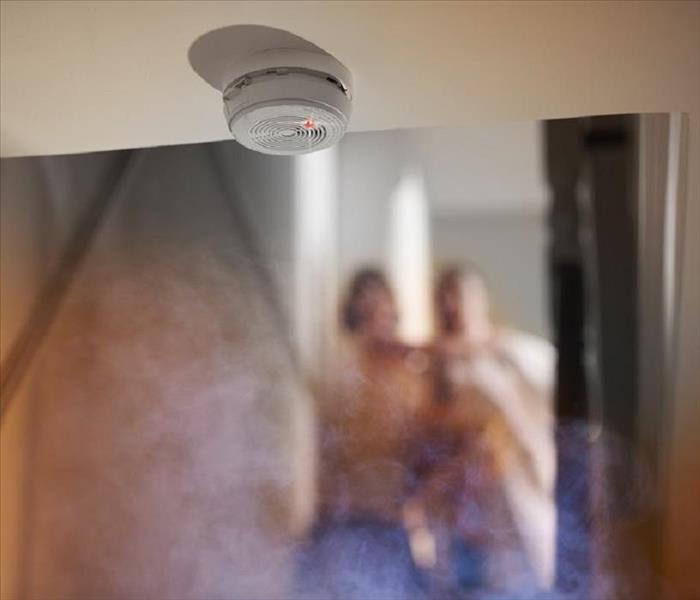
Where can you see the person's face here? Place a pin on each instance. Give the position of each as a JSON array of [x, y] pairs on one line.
[[464, 307], [378, 308]]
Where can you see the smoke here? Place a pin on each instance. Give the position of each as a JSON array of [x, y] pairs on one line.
[[164, 461], [169, 425], [172, 440], [607, 503], [163, 447]]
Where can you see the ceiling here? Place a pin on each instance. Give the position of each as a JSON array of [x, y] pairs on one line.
[[85, 76]]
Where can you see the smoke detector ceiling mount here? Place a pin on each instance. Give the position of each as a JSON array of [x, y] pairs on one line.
[[282, 101]]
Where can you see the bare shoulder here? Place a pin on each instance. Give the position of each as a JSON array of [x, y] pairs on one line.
[[534, 356]]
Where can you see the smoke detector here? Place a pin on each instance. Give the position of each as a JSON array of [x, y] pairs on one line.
[[287, 101], [277, 101]]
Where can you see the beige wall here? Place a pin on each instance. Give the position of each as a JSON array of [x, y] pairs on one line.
[[261, 192], [41, 203], [20, 267], [486, 206], [683, 498]]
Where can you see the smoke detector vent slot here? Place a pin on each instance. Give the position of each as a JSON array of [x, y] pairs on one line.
[[279, 101]]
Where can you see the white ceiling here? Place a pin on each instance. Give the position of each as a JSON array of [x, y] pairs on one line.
[[84, 76]]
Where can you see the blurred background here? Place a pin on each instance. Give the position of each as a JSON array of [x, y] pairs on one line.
[[169, 315], [171, 331]]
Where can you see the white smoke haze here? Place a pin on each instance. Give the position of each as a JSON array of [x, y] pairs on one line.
[[163, 434], [605, 549], [173, 441], [161, 456]]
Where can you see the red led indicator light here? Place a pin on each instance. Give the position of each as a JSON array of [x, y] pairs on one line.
[[309, 124]]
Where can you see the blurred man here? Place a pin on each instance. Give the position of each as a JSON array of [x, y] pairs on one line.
[[488, 488], [360, 549]]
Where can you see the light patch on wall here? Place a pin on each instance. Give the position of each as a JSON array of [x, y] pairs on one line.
[[315, 256], [409, 256]]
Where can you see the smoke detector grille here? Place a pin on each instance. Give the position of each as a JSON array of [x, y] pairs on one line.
[[288, 129], [288, 133], [287, 102], [282, 94]]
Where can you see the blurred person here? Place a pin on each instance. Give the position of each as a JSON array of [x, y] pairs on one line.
[[359, 548], [487, 488]]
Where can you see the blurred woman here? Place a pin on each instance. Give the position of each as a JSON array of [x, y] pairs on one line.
[[489, 488], [370, 420], [360, 549]]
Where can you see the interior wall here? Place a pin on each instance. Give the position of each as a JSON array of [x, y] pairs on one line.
[[42, 202], [682, 522], [168, 426], [369, 170], [261, 188], [505, 237], [315, 268], [510, 250], [22, 269]]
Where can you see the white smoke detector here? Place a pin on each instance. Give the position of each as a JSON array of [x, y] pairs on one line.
[[277, 101], [287, 101]]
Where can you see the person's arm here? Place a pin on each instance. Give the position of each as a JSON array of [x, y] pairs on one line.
[[526, 422]]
